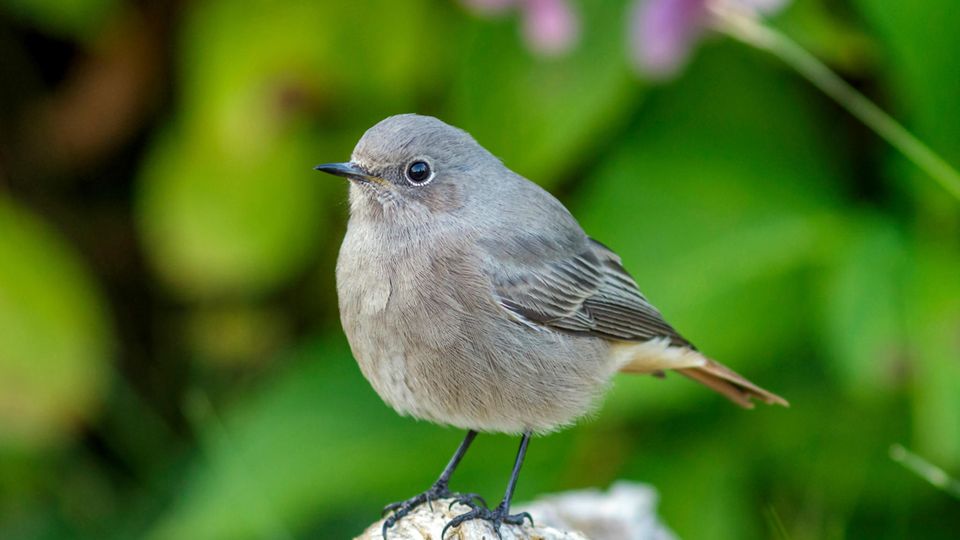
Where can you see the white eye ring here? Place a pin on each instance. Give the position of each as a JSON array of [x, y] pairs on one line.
[[419, 172]]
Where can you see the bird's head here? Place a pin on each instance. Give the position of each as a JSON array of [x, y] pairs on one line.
[[415, 165]]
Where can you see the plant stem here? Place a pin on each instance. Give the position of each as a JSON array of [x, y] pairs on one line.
[[748, 28], [924, 469]]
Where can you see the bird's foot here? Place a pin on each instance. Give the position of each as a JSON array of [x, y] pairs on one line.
[[496, 517], [399, 510]]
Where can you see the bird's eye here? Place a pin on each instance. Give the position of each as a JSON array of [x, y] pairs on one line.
[[418, 173]]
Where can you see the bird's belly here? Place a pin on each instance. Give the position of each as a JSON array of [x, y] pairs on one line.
[[406, 348], [442, 350], [383, 308]]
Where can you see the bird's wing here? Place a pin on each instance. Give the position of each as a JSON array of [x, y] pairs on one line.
[[584, 289], [620, 308]]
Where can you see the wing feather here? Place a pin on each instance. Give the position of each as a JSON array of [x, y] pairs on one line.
[[586, 290]]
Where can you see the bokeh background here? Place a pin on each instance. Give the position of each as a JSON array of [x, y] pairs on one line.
[[171, 360]]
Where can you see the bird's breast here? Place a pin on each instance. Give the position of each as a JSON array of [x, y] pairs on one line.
[[432, 340], [405, 306]]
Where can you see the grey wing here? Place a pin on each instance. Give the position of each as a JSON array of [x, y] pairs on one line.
[[587, 290]]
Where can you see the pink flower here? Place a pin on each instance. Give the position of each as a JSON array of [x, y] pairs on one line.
[[663, 33], [550, 27]]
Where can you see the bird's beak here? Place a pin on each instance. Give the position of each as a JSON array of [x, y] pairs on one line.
[[348, 170]]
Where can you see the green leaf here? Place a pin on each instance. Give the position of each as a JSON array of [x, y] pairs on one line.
[[56, 340], [217, 223], [863, 317], [933, 325], [241, 60]]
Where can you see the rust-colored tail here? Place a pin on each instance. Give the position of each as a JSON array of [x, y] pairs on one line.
[[729, 383], [656, 356]]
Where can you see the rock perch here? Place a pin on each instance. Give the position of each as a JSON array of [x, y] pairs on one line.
[[627, 511]]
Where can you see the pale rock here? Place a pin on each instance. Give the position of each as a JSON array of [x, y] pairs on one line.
[[627, 511]]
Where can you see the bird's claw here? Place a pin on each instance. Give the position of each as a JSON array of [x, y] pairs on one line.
[[435, 492], [496, 517], [391, 508], [399, 510], [471, 500]]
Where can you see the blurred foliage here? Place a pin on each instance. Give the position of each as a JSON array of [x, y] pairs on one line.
[[558, 107], [76, 18], [55, 343], [171, 362]]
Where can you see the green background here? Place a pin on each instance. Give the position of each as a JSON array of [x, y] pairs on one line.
[[171, 361]]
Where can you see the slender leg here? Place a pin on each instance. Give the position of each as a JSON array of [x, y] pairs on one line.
[[444, 479], [439, 490], [501, 514], [512, 484]]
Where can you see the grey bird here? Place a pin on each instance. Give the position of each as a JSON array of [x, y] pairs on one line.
[[471, 297]]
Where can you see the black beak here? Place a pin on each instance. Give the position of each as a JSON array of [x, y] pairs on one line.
[[346, 170]]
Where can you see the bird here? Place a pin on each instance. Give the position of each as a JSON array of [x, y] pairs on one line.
[[471, 297]]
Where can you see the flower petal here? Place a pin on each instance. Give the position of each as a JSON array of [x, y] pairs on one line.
[[663, 33], [550, 26]]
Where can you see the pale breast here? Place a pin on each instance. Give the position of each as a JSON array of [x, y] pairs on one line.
[[398, 313], [428, 334]]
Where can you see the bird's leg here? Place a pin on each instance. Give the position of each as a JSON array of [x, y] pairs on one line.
[[439, 490], [501, 514]]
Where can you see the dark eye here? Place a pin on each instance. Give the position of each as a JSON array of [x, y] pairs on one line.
[[418, 172]]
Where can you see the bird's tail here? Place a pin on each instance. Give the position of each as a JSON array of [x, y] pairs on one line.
[[656, 356], [731, 384]]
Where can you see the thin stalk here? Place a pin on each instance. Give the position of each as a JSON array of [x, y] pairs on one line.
[[926, 470], [748, 28]]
